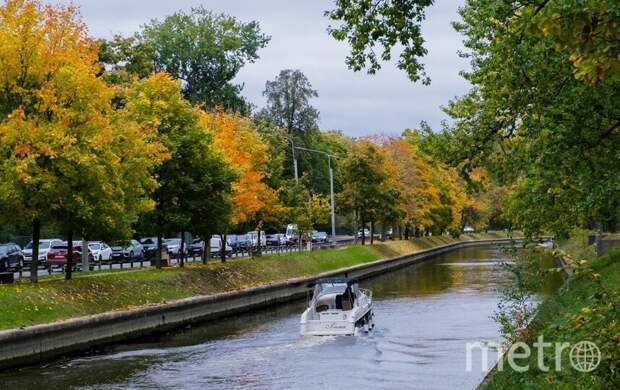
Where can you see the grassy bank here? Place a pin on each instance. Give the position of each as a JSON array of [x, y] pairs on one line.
[[586, 309], [53, 299]]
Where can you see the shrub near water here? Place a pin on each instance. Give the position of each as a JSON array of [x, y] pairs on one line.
[[586, 309]]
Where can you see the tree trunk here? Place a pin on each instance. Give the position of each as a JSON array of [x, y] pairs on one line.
[[69, 266], [363, 232], [223, 248], [34, 264], [259, 251], [407, 232], [206, 251], [160, 247], [181, 252], [355, 228], [372, 232], [84, 259]]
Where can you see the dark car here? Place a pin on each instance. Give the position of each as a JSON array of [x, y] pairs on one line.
[[237, 241], [276, 239], [272, 240], [195, 248], [149, 247], [11, 257], [319, 237]]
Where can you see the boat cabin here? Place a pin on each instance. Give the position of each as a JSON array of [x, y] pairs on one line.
[[334, 294]]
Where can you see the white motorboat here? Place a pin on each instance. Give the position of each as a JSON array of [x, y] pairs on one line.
[[338, 307]]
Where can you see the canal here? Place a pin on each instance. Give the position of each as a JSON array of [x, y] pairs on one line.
[[424, 314]]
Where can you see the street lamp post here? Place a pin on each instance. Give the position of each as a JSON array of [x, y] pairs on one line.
[[294, 162], [331, 184], [331, 196]]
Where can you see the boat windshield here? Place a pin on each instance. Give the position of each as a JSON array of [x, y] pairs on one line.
[[332, 288]]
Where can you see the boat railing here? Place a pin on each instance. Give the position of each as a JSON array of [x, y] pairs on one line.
[[366, 292]]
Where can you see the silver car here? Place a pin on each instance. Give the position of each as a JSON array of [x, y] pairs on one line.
[[44, 247]]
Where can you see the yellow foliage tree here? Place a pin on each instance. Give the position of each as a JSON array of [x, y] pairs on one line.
[[418, 194], [236, 137], [67, 156]]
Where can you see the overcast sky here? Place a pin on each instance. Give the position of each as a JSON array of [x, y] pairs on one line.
[[356, 103]]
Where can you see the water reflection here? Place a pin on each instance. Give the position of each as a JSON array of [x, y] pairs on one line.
[[425, 314]]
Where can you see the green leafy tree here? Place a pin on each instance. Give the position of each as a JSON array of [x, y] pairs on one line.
[[542, 113], [306, 209], [124, 58], [365, 24], [288, 102], [529, 121], [289, 108], [367, 191], [205, 51]]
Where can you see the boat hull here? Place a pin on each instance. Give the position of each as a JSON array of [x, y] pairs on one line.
[[334, 327]]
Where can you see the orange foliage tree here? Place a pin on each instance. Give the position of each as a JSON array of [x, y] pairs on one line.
[[236, 137]]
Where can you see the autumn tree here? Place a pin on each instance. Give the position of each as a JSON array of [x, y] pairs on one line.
[[67, 157], [253, 201], [418, 194], [205, 51], [195, 182], [367, 191]]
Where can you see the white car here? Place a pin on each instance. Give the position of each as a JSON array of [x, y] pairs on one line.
[[44, 247], [216, 246], [363, 233], [174, 246], [468, 229], [100, 250]]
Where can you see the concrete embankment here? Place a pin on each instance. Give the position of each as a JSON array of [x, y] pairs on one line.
[[34, 344]]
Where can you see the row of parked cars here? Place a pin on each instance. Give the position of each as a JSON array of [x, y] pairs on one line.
[[53, 252]]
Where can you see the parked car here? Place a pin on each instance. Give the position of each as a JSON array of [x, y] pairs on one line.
[[44, 247], [11, 257], [196, 248], [292, 234], [389, 233], [216, 246], [319, 237], [57, 255], [127, 251], [468, 229], [149, 245], [253, 238], [174, 246], [363, 233], [100, 250], [276, 239], [238, 242]]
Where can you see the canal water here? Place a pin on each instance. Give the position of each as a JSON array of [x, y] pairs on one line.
[[424, 314]]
